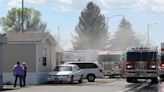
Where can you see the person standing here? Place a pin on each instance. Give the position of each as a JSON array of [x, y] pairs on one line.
[[25, 72], [18, 72]]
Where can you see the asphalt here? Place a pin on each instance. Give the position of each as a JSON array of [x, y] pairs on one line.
[[10, 88]]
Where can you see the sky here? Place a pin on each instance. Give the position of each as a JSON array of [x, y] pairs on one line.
[[62, 16]]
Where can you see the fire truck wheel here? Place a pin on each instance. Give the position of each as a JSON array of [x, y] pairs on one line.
[[162, 79], [135, 80], [129, 79], [111, 76], [154, 80]]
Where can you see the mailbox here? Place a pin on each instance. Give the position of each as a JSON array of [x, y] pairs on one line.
[[3, 40]]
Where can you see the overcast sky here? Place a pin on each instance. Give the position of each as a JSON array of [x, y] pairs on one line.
[[65, 13]]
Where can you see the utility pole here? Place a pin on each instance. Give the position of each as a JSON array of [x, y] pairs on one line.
[[58, 34], [148, 35], [109, 18], [22, 15], [58, 53]]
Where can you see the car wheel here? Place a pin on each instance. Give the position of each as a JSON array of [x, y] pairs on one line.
[[129, 79], [49, 82], [154, 80], [81, 79], [91, 78]]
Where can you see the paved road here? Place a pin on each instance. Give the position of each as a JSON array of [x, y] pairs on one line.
[[102, 85]]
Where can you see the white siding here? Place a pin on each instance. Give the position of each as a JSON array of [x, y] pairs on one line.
[[47, 50], [53, 57]]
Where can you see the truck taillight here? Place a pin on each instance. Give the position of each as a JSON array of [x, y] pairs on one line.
[[126, 62], [152, 65], [129, 65], [162, 65]]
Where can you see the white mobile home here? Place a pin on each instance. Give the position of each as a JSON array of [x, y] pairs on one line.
[[2, 42], [37, 49]]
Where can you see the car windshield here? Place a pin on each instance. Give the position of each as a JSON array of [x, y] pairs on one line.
[[162, 58], [63, 68]]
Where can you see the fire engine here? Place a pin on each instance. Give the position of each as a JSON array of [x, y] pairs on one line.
[[111, 62], [161, 69], [141, 63]]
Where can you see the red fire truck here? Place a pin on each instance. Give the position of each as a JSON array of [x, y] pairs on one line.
[[141, 63], [161, 68], [111, 62]]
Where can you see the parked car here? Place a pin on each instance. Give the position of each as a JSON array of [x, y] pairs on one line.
[[90, 70], [66, 73]]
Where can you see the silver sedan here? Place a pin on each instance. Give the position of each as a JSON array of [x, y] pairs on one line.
[[66, 73]]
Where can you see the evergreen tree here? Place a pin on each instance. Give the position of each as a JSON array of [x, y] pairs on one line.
[[92, 30], [124, 37]]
